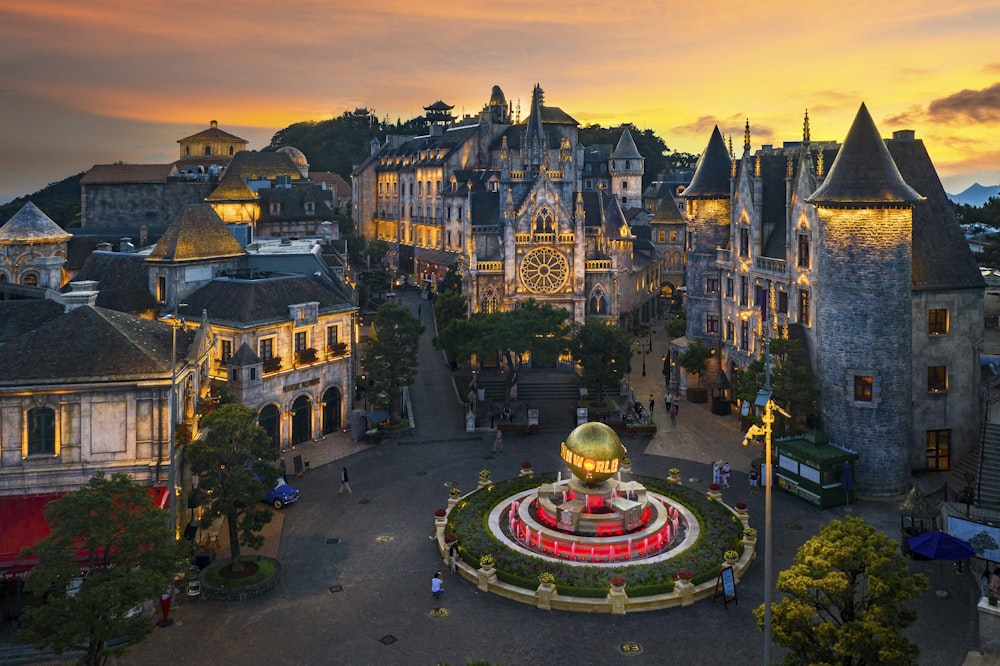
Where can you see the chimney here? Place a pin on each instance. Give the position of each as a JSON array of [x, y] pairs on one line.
[[143, 235], [81, 293], [126, 246], [104, 246]]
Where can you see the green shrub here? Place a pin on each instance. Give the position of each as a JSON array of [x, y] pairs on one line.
[[265, 568]]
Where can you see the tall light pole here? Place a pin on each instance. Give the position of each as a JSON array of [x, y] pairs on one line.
[[764, 401], [171, 470]]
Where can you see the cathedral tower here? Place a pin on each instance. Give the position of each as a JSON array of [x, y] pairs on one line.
[[626, 168]]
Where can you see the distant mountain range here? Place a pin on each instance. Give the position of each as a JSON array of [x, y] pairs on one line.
[[975, 194]]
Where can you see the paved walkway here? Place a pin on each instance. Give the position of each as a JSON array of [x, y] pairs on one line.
[[357, 569]]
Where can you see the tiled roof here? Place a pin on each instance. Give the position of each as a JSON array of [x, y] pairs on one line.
[[213, 133], [626, 147], [31, 224], [123, 281], [864, 172], [232, 187], [243, 357], [18, 317], [89, 344], [711, 175], [102, 174], [197, 232], [243, 303]]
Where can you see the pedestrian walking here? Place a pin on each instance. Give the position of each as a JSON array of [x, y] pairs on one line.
[[724, 475], [498, 442], [666, 401], [984, 583], [716, 466], [673, 413], [754, 479], [652, 403], [453, 556], [345, 483], [437, 585]]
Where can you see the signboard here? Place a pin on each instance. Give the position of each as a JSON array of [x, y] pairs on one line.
[[581, 415], [533, 418], [984, 539], [726, 586]]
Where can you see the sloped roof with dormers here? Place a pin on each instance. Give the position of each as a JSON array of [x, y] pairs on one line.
[[31, 224], [711, 175], [196, 233], [864, 171]]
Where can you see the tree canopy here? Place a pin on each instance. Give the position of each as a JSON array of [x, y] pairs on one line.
[[110, 538], [604, 351], [847, 600], [391, 361], [694, 359], [793, 384], [234, 466]]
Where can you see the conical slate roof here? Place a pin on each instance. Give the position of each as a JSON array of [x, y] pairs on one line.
[[864, 172], [197, 232], [711, 175], [626, 147], [615, 224], [31, 224]]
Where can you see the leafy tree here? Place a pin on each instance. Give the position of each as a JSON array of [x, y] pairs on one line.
[[391, 361], [694, 359], [234, 467], [110, 537], [604, 351], [650, 146], [677, 326], [450, 310], [377, 282], [846, 602], [793, 384], [452, 281], [376, 249]]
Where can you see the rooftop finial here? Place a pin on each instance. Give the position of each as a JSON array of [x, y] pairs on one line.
[[819, 164], [732, 155], [746, 137], [805, 128]]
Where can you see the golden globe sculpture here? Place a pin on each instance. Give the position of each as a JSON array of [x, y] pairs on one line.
[[593, 452]]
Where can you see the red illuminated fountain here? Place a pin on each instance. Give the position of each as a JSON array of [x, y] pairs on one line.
[[594, 516]]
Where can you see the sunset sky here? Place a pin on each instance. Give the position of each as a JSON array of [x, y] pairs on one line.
[[84, 83]]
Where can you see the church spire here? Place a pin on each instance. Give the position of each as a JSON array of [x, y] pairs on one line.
[[746, 137], [805, 129]]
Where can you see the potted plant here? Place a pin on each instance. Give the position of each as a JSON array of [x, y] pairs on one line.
[[525, 464], [484, 474], [741, 510], [714, 491], [486, 562], [685, 574], [674, 475], [749, 533], [272, 364], [440, 513], [545, 578], [618, 582], [731, 556], [450, 538], [455, 492]]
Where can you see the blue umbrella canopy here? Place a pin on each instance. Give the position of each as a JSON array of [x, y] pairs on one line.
[[940, 546], [377, 416]]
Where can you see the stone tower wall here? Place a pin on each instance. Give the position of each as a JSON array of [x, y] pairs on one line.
[[708, 229], [864, 327]]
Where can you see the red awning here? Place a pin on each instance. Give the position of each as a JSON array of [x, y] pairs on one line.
[[22, 525]]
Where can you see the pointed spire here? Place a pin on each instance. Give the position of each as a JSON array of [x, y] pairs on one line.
[[805, 129], [746, 137], [864, 172], [626, 147], [711, 175]]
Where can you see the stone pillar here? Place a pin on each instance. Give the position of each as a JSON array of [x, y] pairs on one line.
[[618, 598], [686, 591], [545, 592], [486, 577]]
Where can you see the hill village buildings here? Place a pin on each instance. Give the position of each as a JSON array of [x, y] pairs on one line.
[[854, 249]]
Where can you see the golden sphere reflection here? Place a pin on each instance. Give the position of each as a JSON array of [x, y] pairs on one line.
[[593, 452]]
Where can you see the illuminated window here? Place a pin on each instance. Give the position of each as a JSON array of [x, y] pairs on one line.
[[712, 324], [730, 331], [300, 341], [267, 348], [804, 307], [937, 322], [729, 287], [661, 236], [863, 388], [744, 290], [41, 431], [744, 242], [711, 285], [161, 289], [937, 378], [744, 335], [938, 450], [803, 261], [673, 236], [227, 350]]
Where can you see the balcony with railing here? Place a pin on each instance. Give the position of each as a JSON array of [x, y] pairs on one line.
[[598, 265], [777, 267], [489, 266], [723, 257]]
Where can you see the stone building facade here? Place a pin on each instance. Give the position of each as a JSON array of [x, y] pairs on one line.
[[866, 260]]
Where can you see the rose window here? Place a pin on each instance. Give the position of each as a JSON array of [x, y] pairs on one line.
[[544, 270]]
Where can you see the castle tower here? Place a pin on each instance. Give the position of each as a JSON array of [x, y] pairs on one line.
[[626, 169], [708, 199], [863, 319]]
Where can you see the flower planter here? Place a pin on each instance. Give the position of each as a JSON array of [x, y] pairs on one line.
[[483, 482], [715, 494], [545, 592], [527, 471], [685, 589]]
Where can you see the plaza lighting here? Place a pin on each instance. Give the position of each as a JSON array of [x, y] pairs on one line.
[[172, 472], [764, 401]]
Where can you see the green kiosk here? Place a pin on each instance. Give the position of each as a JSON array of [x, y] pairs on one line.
[[813, 469]]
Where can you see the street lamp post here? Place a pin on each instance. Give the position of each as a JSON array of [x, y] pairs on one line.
[[764, 401], [171, 470]]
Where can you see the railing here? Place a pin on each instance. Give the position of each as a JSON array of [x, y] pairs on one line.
[[598, 265], [490, 266], [773, 266], [567, 238], [723, 256]]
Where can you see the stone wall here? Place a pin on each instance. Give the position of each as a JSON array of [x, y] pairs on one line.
[[119, 205]]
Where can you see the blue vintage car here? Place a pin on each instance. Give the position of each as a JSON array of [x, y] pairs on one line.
[[281, 494]]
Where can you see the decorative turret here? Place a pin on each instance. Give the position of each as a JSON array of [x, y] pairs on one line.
[[627, 167], [534, 147], [863, 261]]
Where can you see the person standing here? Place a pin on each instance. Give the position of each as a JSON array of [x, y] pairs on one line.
[[453, 556], [498, 442], [673, 413], [666, 402], [724, 475], [437, 585], [652, 403], [345, 483], [754, 478]]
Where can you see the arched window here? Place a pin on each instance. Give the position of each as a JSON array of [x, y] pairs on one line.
[[543, 223], [30, 279], [41, 431], [598, 303], [232, 151], [490, 302], [3, 277], [187, 150], [208, 151]]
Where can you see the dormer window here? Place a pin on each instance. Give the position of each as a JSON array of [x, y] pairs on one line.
[[275, 208], [310, 208]]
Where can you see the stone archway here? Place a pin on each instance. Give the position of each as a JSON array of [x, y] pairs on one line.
[[301, 419], [269, 419], [332, 402]]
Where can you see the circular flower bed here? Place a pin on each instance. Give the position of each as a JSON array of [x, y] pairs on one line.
[[719, 531]]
